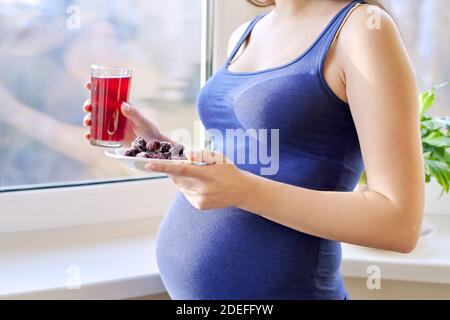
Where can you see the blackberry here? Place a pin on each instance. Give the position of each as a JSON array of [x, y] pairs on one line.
[[156, 155], [167, 155], [165, 147], [177, 150], [130, 153], [153, 145], [139, 144], [143, 155]]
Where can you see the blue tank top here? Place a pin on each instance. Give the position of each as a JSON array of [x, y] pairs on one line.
[[234, 254]]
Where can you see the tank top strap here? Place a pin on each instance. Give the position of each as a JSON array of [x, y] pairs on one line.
[[244, 37], [331, 32]]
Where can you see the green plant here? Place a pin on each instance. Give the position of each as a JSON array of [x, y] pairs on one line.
[[435, 142]]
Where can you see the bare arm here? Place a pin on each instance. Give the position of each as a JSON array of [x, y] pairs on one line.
[[382, 94]]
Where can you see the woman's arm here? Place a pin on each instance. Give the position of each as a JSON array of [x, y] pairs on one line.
[[382, 95]]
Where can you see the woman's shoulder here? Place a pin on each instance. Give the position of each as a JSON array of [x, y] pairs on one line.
[[369, 37], [368, 24]]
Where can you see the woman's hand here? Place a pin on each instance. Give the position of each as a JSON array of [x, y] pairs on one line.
[[137, 126], [215, 183]]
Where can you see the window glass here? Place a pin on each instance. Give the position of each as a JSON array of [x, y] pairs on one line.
[[425, 28], [46, 49]]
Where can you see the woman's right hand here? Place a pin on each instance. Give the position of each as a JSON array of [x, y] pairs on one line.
[[137, 125]]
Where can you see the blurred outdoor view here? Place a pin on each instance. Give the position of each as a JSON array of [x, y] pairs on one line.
[[47, 46], [46, 49], [425, 28]]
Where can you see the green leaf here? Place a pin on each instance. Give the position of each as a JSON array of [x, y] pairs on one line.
[[363, 178], [426, 101], [440, 171], [437, 154], [442, 85], [428, 98], [437, 141], [433, 124]]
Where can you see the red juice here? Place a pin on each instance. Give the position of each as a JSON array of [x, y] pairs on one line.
[[108, 122]]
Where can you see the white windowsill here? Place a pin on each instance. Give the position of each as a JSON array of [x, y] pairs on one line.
[[429, 262], [117, 261]]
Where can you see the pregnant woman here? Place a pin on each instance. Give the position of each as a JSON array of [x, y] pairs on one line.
[[334, 79]]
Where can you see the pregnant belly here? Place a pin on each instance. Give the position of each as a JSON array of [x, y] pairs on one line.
[[233, 254]]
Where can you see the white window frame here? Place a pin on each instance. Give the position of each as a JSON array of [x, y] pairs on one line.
[[84, 205], [125, 200]]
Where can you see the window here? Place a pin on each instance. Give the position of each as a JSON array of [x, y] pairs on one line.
[[426, 30], [46, 49]]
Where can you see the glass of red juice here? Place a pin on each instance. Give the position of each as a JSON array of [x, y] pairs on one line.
[[110, 88]]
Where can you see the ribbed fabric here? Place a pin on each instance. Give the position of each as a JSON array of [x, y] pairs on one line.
[[233, 254]]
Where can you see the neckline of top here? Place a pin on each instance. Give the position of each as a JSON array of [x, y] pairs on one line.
[[249, 30]]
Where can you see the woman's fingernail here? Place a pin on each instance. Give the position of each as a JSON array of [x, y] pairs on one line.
[[126, 107]]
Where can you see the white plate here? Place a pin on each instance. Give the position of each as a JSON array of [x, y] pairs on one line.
[[138, 163]]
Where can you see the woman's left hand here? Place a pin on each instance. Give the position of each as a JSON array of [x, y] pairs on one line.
[[216, 184]]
